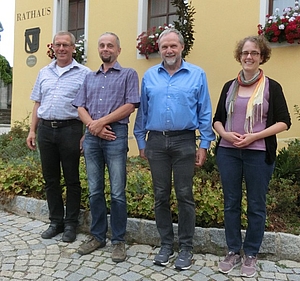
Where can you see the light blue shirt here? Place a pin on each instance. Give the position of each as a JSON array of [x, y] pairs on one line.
[[177, 102], [56, 92]]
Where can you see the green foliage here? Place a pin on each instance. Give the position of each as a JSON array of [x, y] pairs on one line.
[[13, 144], [288, 162], [297, 111], [283, 205], [185, 24], [5, 71], [21, 175], [21, 178], [139, 189]]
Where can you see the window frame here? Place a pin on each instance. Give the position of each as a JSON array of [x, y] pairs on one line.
[[61, 16], [271, 7], [142, 24], [61, 19], [168, 14], [77, 28]]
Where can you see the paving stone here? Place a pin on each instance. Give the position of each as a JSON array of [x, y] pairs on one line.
[[24, 255]]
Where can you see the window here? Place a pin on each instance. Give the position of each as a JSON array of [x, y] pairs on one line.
[[279, 4], [76, 17], [160, 12]]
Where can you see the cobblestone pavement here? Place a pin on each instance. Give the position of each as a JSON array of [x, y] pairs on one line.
[[24, 255]]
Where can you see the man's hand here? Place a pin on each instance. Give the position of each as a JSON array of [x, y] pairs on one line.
[[31, 140], [142, 154], [200, 156], [107, 133], [95, 127]]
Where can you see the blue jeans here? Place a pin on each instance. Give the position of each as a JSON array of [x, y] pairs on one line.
[[60, 148], [167, 154], [98, 153], [234, 166]]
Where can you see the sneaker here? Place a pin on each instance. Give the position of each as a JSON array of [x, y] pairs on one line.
[[249, 266], [118, 253], [231, 261], [163, 257], [184, 260], [90, 246]]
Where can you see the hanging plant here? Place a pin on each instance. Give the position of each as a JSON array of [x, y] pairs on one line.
[[185, 24], [147, 41]]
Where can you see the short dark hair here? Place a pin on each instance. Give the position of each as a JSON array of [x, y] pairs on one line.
[[113, 34], [260, 41]]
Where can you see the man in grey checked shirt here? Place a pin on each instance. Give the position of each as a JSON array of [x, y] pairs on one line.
[[59, 134]]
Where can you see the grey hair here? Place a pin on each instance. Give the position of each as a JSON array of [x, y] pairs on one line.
[[168, 31], [61, 33]]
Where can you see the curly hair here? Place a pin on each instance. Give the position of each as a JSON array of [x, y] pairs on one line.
[[260, 42]]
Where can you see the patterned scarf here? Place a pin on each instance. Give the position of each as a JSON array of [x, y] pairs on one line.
[[255, 100]]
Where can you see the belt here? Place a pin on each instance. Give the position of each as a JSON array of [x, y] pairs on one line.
[[172, 133], [59, 123]]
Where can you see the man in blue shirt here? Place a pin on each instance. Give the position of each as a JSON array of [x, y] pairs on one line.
[[174, 104]]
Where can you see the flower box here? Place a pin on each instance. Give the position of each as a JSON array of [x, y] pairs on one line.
[[283, 29]]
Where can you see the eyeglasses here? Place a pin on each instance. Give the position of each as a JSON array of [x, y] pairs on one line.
[[252, 54], [57, 45]]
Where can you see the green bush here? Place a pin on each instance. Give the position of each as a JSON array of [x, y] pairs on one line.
[[288, 162]]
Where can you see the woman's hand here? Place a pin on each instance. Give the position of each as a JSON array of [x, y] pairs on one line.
[[245, 140], [231, 137]]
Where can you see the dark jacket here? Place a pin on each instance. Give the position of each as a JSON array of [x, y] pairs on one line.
[[278, 112]]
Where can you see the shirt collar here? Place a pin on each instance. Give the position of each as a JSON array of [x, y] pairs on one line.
[[116, 66], [184, 66], [74, 63]]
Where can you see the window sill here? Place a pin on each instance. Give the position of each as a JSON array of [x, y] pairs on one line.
[[284, 44], [151, 56]]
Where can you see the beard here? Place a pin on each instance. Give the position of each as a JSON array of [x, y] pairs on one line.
[[106, 59], [170, 61]]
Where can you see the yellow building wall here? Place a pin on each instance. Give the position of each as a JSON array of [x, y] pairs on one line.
[[218, 27], [29, 14]]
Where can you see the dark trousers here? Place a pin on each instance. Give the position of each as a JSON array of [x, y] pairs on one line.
[[60, 149], [172, 160]]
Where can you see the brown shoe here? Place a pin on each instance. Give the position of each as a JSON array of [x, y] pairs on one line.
[[118, 252], [90, 246]]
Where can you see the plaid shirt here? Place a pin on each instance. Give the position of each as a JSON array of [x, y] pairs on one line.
[[56, 92], [102, 93]]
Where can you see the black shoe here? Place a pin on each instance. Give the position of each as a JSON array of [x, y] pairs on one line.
[[69, 234], [52, 231]]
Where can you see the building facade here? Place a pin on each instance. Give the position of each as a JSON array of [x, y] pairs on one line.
[[218, 27]]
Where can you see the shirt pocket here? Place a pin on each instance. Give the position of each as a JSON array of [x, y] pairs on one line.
[[186, 96]]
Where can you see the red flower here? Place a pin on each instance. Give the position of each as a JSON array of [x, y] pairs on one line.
[[285, 28], [147, 41]]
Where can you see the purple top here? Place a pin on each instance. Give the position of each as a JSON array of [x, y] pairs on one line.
[[238, 120], [102, 93]]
